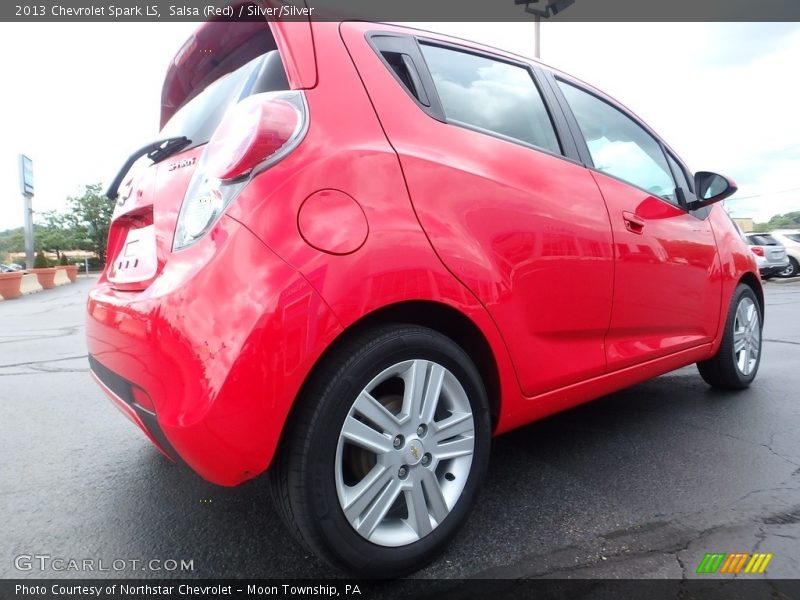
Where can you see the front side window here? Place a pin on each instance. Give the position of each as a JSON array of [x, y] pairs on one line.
[[619, 146], [490, 95], [680, 178]]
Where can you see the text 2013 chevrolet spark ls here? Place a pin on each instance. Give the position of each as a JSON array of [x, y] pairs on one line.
[[360, 251]]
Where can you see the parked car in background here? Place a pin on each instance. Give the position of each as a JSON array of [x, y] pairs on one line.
[[359, 251], [790, 238], [770, 254], [10, 268]]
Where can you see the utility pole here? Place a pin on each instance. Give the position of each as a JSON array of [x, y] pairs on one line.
[[550, 9], [26, 188]]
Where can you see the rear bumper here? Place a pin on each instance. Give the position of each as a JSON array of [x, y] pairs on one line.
[[220, 342]]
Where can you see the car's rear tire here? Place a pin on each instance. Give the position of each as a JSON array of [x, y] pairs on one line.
[[386, 451], [793, 270], [736, 362]]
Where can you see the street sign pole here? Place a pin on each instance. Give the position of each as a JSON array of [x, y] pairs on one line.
[[27, 200], [26, 187]]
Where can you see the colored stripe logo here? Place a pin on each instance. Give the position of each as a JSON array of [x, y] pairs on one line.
[[733, 563]]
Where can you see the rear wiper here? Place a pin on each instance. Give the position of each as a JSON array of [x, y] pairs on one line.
[[157, 151]]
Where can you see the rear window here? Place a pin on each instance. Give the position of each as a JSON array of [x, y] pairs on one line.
[[762, 239], [199, 118], [795, 237]]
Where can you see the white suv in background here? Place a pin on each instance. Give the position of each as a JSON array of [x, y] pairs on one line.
[[790, 238]]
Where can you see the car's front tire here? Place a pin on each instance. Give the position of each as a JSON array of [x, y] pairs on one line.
[[736, 362], [386, 451]]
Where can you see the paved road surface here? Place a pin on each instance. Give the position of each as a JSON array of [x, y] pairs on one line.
[[641, 483]]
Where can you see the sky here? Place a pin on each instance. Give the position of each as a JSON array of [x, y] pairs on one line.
[[79, 98]]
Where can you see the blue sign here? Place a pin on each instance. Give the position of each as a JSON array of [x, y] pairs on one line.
[[25, 175]]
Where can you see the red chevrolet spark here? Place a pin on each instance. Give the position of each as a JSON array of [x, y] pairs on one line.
[[359, 251]]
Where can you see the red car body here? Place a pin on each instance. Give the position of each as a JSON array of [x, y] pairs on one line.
[[561, 282]]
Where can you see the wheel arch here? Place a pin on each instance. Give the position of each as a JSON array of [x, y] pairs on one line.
[[753, 282], [438, 316]]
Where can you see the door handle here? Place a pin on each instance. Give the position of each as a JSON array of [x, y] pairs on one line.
[[633, 223]]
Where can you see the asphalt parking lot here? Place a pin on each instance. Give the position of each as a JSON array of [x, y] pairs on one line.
[[639, 484]]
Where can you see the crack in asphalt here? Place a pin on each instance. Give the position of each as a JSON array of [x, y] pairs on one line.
[[782, 342], [784, 518], [674, 549], [61, 332], [39, 367], [768, 446], [38, 362]]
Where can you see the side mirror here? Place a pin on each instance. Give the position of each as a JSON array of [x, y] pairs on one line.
[[710, 188]]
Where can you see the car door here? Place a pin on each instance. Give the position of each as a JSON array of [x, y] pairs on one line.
[[499, 191], [667, 288]]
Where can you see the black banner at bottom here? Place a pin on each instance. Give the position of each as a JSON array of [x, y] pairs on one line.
[[496, 589]]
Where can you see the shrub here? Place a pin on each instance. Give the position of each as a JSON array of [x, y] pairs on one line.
[[40, 262], [63, 260]]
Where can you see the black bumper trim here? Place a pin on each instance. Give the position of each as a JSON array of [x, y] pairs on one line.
[[122, 388]]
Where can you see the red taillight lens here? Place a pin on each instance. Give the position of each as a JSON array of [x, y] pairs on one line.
[[757, 250], [255, 134], [253, 131]]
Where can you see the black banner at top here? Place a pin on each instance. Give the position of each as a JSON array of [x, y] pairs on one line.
[[399, 10]]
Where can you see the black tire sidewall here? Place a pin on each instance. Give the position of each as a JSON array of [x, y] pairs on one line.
[[744, 291], [344, 545], [793, 263]]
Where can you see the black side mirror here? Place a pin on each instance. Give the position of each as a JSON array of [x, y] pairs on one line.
[[710, 188]]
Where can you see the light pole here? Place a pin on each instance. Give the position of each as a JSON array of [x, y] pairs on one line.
[[549, 9], [26, 187]]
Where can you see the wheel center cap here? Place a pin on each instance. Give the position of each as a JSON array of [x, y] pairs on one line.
[[414, 451]]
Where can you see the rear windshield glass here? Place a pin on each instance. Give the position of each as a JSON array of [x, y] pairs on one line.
[[762, 239], [199, 118]]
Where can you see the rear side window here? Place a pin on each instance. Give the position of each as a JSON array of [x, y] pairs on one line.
[[199, 118], [619, 146], [491, 96]]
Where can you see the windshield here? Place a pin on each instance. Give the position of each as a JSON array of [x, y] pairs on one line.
[[199, 118]]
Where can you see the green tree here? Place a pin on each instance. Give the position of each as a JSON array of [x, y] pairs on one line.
[[40, 261], [89, 218], [12, 240], [790, 220], [57, 233]]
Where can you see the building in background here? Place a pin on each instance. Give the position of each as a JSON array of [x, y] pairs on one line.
[[745, 223]]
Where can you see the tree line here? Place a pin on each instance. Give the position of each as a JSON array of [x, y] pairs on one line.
[[83, 225], [790, 220]]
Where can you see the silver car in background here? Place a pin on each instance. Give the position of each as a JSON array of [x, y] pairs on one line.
[[790, 238], [770, 254]]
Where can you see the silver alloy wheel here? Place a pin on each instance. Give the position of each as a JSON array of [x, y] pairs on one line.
[[404, 453], [746, 336], [788, 271]]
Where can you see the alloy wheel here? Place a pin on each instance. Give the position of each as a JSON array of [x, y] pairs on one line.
[[404, 453]]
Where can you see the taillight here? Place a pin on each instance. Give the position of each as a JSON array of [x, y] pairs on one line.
[[758, 251], [254, 134]]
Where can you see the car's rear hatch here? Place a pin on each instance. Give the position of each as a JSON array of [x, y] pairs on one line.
[[221, 64]]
